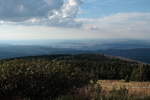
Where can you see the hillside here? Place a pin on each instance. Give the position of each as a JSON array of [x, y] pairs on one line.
[[105, 67], [55, 75], [11, 51], [140, 54]]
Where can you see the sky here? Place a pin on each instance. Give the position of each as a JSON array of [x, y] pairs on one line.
[[74, 19]]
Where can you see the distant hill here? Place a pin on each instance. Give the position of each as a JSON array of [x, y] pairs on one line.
[[11, 51], [140, 54]]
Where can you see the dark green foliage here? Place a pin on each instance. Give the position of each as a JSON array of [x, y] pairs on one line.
[[51, 76], [39, 77]]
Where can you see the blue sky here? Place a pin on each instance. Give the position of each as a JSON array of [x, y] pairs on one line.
[[74, 19], [101, 8]]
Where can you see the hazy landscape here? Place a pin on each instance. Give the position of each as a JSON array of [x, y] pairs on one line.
[[130, 49], [74, 49], [75, 70]]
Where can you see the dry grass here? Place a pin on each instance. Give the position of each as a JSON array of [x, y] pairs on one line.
[[134, 88]]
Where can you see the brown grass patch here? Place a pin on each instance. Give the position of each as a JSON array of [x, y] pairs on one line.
[[134, 88]]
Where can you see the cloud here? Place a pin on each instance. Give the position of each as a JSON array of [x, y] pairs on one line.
[[49, 12], [65, 16], [23, 9], [125, 25], [121, 25]]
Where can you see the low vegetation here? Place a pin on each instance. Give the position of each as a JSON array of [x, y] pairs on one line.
[[134, 88], [121, 94]]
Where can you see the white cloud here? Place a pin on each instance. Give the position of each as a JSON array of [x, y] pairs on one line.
[[65, 16], [49, 12], [124, 25], [63, 13], [41, 32]]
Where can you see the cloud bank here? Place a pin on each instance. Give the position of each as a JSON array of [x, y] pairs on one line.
[[121, 25], [124, 25], [50, 12]]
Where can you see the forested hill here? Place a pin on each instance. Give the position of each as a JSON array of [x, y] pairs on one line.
[[101, 66], [55, 75]]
